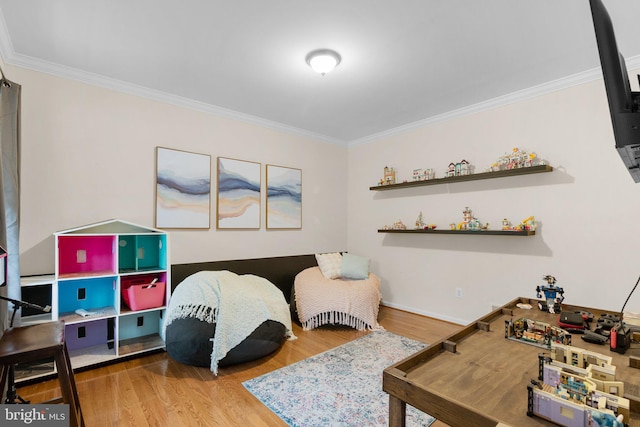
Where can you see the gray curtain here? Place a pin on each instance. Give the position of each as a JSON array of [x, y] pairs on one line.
[[10, 192]]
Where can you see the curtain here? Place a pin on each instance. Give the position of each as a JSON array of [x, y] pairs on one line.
[[10, 94]]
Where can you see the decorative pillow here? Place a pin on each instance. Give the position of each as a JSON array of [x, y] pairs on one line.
[[354, 267], [330, 264]]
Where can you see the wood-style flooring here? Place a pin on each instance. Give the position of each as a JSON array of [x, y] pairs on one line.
[[154, 390]]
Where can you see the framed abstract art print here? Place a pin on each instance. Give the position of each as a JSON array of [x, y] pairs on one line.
[[238, 194], [183, 189], [284, 197]]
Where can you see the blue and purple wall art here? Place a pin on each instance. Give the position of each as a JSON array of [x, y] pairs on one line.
[[284, 197], [238, 194], [183, 189]]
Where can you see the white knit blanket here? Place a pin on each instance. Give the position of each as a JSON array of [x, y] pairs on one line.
[[238, 304], [321, 301]]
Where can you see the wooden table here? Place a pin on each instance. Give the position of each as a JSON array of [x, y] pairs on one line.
[[477, 377]]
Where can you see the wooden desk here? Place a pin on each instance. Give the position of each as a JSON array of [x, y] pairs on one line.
[[477, 377]]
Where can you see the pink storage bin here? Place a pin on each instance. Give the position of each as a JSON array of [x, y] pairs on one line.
[[140, 294]]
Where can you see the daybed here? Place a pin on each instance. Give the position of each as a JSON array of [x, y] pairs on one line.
[[339, 291], [219, 318]]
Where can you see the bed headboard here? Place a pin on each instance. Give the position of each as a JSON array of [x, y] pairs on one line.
[[281, 271]]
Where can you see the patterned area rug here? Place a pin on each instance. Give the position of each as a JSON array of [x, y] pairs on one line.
[[340, 387]]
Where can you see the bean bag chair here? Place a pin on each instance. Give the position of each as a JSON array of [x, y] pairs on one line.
[[190, 341], [219, 318]]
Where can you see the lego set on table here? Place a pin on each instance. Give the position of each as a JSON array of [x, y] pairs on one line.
[[477, 377], [575, 387]]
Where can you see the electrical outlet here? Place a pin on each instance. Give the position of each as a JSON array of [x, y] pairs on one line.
[[458, 292]]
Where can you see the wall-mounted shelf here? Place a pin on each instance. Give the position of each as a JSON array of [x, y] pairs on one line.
[[462, 178], [466, 232]]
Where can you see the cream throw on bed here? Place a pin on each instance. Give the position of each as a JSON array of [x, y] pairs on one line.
[[238, 304], [321, 301]]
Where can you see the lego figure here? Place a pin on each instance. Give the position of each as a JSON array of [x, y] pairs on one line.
[[451, 171], [420, 222], [389, 175], [553, 303]]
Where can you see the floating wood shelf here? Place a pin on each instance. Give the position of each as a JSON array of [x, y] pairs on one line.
[[466, 232], [462, 178]]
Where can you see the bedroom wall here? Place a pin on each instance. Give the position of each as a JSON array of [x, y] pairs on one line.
[[587, 210], [88, 155]]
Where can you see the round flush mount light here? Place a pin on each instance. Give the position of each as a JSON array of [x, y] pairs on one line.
[[323, 60]]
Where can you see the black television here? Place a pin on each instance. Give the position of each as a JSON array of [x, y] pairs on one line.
[[624, 105]]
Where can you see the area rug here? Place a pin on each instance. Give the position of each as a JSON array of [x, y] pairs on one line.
[[340, 387]]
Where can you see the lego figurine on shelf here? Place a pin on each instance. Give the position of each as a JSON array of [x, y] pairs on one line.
[[399, 225], [515, 160], [506, 224], [529, 223], [551, 291], [458, 169], [428, 174], [420, 222], [465, 168], [469, 222], [389, 175], [474, 224], [451, 170], [466, 218]]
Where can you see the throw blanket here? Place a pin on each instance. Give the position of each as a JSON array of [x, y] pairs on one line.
[[322, 301], [238, 304]]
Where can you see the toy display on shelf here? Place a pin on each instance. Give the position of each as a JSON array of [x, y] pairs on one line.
[[554, 295], [421, 225], [577, 387], [420, 221], [398, 225], [423, 174], [458, 169], [469, 222], [389, 176], [515, 160], [527, 224]]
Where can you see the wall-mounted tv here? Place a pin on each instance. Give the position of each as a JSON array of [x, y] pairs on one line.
[[624, 105]]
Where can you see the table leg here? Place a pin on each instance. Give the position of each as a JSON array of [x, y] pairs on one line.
[[397, 412]]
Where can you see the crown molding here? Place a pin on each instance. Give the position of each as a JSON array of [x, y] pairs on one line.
[[9, 56], [156, 95], [532, 92]]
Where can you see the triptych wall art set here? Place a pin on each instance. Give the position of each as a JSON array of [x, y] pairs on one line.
[[183, 192]]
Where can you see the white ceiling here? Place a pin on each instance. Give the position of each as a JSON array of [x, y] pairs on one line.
[[403, 62]]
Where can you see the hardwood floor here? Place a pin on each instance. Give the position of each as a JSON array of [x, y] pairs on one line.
[[154, 390]]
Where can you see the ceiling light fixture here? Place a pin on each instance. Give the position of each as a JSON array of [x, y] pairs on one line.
[[323, 60]]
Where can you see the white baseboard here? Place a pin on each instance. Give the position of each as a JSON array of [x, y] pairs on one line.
[[427, 313]]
